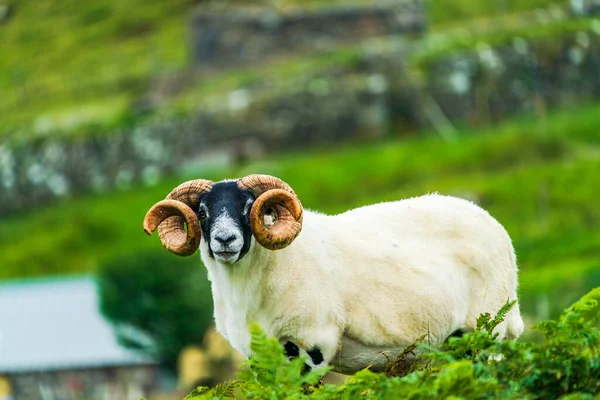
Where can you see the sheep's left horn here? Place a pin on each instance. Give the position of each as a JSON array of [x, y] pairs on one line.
[[276, 195]]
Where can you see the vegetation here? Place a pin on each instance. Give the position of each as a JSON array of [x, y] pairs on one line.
[[65, 62], [442, 44], [456, 12], [563, 364], [150, 298]]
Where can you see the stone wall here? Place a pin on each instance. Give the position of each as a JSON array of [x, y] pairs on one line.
[[584, 7], [490, 84], [252, 35], [249, 125]]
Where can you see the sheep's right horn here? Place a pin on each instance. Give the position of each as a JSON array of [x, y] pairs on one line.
[[276, 195], [170, 215]]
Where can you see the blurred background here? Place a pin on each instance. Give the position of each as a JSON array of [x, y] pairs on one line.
[[105, 105]]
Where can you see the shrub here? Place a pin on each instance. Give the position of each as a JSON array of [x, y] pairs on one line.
[[157, 303], [564, 363]]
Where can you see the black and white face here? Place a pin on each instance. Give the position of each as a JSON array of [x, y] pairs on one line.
[[224, 215]]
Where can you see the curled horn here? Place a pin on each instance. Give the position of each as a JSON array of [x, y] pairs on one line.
[[276, 195], [169, 216]]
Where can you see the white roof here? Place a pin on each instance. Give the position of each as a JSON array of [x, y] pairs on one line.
[[56, 324]]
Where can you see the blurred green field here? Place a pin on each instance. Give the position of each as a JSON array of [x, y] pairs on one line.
[[69, 64], [538, 177], [447, 13], [79, 61]]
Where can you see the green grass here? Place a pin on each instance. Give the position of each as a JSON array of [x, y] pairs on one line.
[[542, 184], [68, 62], [441, 44], [455, 12]]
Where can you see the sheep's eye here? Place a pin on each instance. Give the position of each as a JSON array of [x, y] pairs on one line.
[[248, 206], [202, 215]]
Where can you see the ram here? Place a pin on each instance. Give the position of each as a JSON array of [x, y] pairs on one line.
[[349, 290]]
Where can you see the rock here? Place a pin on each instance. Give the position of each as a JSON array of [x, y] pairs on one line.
[[247, 36], [585, 7], [4, 12]]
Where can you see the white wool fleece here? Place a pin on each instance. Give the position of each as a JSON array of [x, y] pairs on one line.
[[371, 281]]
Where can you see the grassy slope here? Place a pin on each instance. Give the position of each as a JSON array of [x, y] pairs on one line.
[[81, 61], [67, 64], [455, 12], [541, 184]]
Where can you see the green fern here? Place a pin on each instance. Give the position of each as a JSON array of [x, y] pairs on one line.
[[485, 321]]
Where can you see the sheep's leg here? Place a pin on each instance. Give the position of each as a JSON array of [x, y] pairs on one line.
[[315, 356], [316, 340]]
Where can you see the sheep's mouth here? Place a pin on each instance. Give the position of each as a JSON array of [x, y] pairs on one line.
[[226, 256]]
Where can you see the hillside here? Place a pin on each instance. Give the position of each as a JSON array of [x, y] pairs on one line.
[[69, 65], [539, 180]]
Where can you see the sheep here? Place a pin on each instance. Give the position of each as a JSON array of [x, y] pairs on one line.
[[350, 290]]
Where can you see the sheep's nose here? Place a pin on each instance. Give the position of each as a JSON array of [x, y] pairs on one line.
[[225, 239]]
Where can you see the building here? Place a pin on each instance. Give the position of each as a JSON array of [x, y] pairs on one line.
[[55, 344]]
